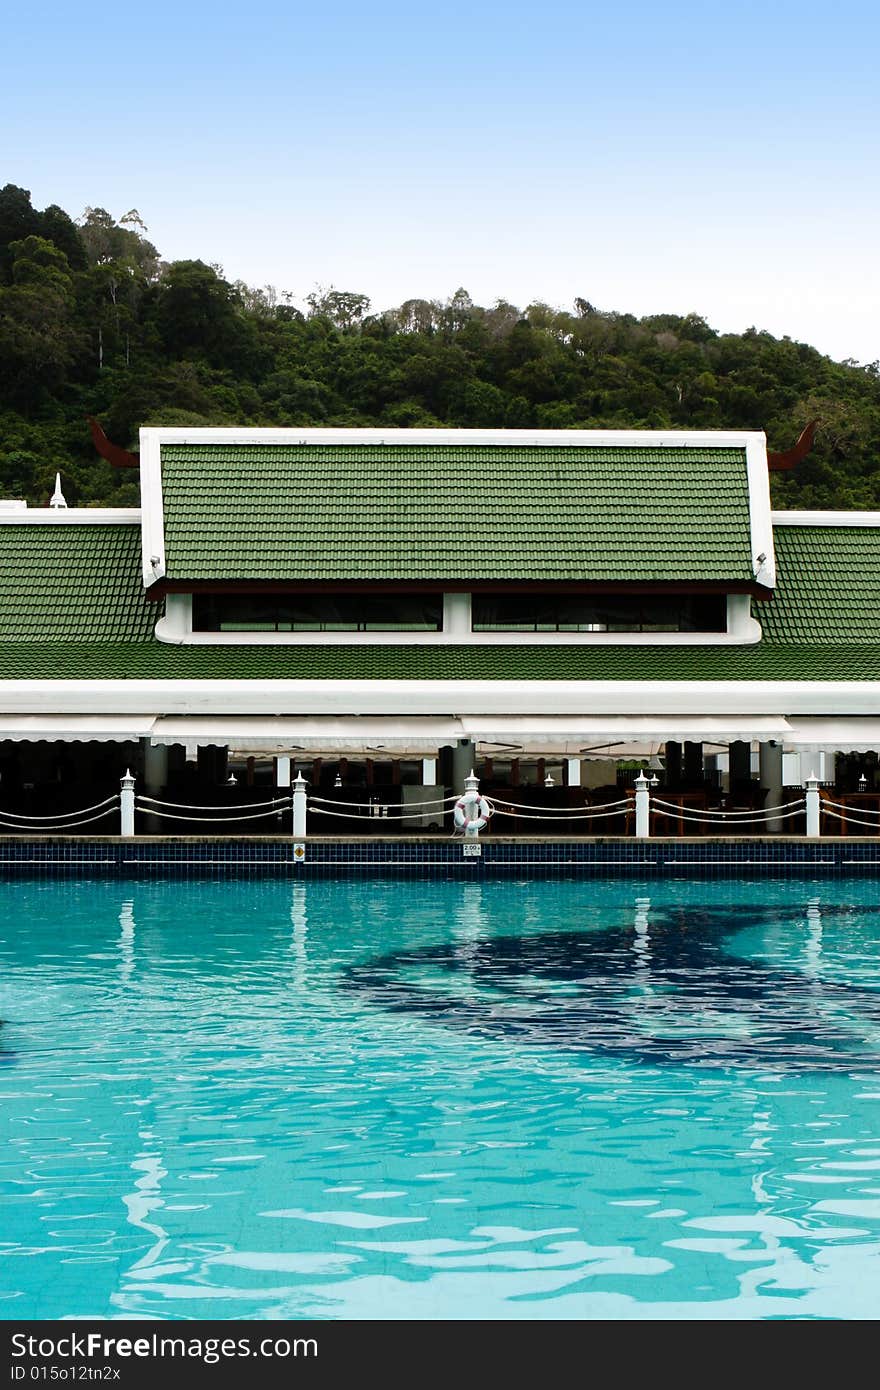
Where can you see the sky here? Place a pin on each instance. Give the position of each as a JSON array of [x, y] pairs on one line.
[[715, 158]]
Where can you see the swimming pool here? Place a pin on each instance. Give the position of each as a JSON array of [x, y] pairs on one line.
[[373, 1099]]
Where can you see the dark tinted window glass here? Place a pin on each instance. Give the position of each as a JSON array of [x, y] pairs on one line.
[[599, 613], [317, 612]]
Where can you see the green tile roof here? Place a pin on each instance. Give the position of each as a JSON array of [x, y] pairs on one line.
[[828, 586], [72, 583], [154, 660], [455, 512], [72, 607]]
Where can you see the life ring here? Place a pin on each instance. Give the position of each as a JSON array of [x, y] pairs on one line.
[[472, 812]]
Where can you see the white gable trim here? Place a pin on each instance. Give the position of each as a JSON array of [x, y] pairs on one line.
[[72, 516], [826, 519], [153, 527], [763, 554], [624, 439]]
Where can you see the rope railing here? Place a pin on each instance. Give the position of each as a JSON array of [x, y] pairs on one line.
[[108, 801], [825, 803], [328, 801], [851, 820], [68, 825], [185, 806], [209, 820], [393, 814], [555, 820], [639, 803], [675, 808], [768, 815], [561, 811]]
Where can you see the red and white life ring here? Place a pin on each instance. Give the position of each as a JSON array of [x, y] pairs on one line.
[[472, 812]]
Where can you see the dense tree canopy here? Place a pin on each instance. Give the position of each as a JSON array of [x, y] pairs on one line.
[[92, 322]]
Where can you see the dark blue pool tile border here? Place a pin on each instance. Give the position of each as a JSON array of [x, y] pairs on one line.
[[328, 858]]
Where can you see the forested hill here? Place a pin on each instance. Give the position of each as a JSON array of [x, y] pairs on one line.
[[93, 322]]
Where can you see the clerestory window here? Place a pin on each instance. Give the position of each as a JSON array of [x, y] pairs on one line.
[[599, 613], [317, 613]]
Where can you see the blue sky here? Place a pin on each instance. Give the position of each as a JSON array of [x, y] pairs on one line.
[[716, 158]]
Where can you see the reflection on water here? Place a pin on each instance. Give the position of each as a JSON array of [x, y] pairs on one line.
[[669, 988], [519, 1100]]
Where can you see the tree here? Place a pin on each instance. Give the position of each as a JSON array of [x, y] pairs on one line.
[[38, 337], [195, 313], [344, 308], [62, 231], [17, 221]]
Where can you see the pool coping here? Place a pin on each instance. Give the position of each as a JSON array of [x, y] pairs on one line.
[[430, 856]]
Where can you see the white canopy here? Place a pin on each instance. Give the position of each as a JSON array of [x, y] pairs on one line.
[[587, 735], [282, 734], [75, 728], [841, 735], [609, 735], [591, 735]]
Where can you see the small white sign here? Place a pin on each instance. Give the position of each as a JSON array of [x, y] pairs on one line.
[[299, 853], [471, 851]]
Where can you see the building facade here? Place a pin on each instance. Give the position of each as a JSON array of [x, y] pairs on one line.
[[392, 607]]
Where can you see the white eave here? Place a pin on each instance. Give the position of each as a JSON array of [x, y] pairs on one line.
[[826, 518], [72, 516], [442, 697]]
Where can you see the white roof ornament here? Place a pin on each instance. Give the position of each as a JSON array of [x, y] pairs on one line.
[[57, 499]]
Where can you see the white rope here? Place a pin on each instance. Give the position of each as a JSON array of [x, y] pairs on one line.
[[327, 801], [842, 806], [852, 820], [754, 820], [759, 819], [61, 829], [206, 820], [562, 810], [705, 811], [393, 814], [62, 815], [184, 806], [555, 820]]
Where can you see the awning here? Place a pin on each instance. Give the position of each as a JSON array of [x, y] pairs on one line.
[[606, 736], [75, 728], [332, 736], [610, 736], [840, 735]]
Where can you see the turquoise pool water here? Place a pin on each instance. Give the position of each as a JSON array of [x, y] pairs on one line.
[[552, 1099]]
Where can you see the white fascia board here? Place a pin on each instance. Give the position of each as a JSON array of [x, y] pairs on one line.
[[443, 698], [826, 518], [659, 439], [153, 515], [168, 630], [72, 516], [760, 520]]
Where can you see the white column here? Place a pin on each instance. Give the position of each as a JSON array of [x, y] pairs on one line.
[[155, 766], [574, 772], [457, 614], [176, 625], [643, 808], [126, 806], [770, 772], [813, 806], [299, 807]]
